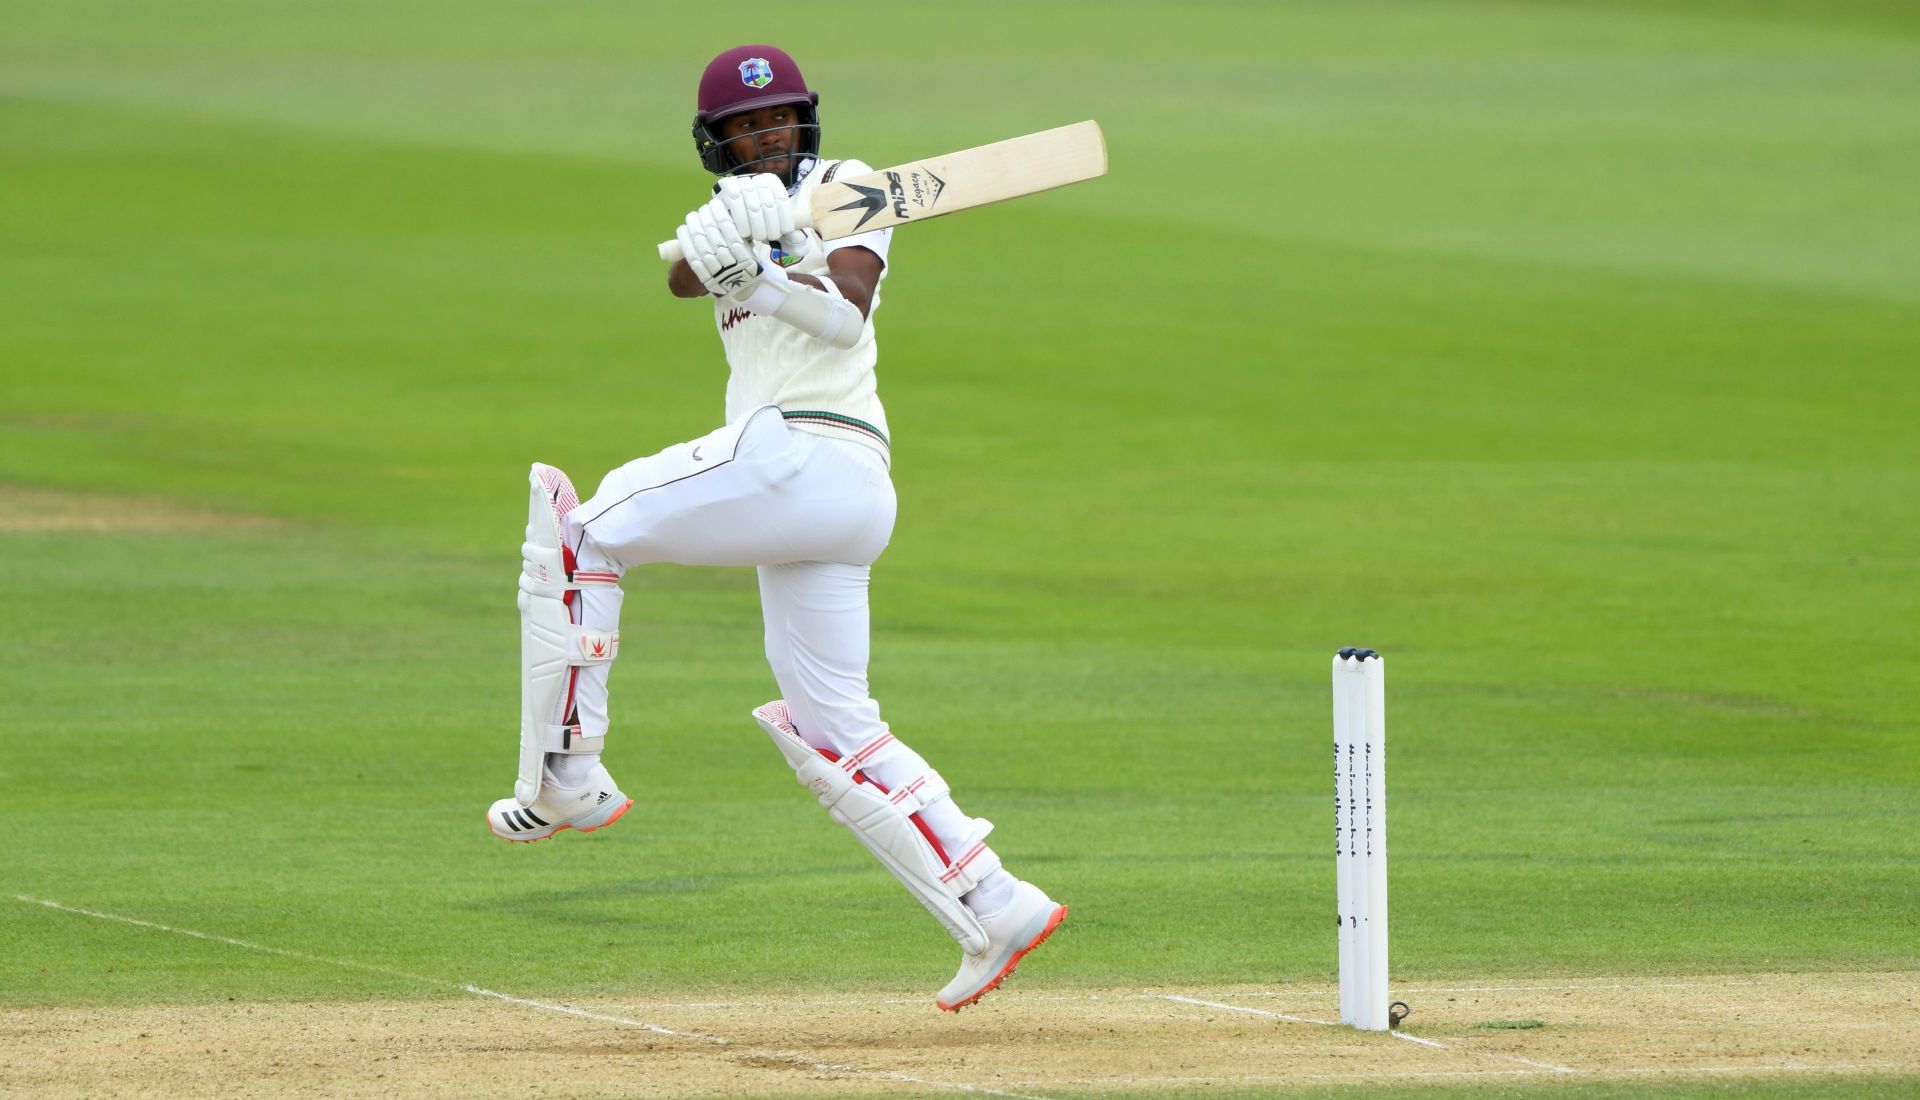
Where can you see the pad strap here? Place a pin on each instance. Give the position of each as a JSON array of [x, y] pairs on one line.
[[861, 757], [547, 571], [972, 865], [919, 794], [912, 796], [568, 739]]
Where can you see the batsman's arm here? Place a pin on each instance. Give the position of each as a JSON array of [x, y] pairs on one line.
[[855, 271], [683, 282]]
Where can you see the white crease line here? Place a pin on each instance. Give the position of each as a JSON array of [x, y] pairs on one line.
[[544, 1006], [1434, 1043], [569, 1010], [1240, 1008], [782, 1055], [1549, 1066]]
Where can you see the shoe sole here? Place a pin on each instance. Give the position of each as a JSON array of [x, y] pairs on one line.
[[1059, 915], [549, 834]]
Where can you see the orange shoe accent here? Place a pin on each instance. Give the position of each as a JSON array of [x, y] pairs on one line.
[[617, 815], [1053, 922]]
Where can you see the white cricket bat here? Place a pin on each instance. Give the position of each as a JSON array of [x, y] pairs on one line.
[[941, 185]]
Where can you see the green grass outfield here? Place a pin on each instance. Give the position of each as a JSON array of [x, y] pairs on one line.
[[1563, 352]]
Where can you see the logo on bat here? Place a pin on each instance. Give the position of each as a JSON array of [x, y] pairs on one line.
[[755, 72], [872, 200], [926, 188], [899, 193]]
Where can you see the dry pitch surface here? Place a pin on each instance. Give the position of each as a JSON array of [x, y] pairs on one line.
[[1018, 1042]]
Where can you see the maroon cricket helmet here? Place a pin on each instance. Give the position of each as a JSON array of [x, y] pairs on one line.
[[747, 78]]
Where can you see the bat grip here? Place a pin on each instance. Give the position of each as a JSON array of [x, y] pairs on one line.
[[669, 250]]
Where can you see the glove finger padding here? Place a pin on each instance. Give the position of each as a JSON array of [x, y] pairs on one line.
[[728, 202], [691, 250], [775, 206], [757, 206], [713, 248]]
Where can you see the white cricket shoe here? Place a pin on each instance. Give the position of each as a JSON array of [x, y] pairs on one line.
[[1022, 925], [594, 806]]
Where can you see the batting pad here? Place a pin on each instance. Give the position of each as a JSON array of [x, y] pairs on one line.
[[552, 643], [887, 829]]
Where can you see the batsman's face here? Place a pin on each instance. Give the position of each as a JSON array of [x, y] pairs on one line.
[[765, 135]]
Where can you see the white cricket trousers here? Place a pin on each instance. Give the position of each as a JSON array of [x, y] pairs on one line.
[[812, 513]]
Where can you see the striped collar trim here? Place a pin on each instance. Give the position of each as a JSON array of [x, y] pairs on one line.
[[836, 420]]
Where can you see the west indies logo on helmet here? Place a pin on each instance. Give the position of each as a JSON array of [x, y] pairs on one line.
[[755, 72], [748, 78]]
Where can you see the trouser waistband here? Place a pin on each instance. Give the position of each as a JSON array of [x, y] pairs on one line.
[[841, 425]]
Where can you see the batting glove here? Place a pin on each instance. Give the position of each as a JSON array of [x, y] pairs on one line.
[[714, 249], [757, 205]]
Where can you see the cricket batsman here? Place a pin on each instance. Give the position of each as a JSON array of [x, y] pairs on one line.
[[796, 485]]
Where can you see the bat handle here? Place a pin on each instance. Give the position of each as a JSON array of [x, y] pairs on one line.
[[669, 250]]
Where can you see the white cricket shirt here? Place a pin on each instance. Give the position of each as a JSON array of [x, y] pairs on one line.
[[821, 388]]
